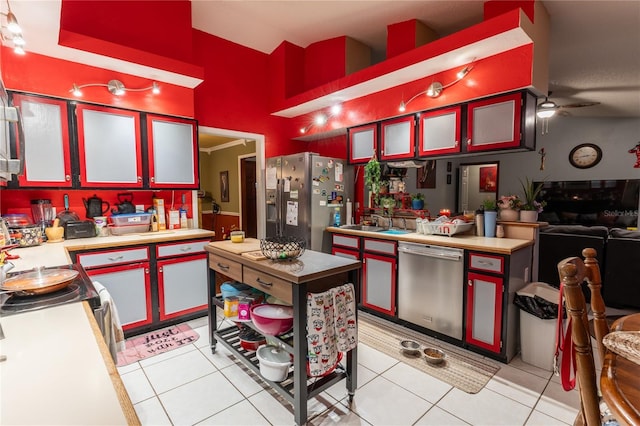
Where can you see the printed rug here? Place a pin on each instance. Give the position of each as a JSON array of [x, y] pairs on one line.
[[461, 369], [156, 342]]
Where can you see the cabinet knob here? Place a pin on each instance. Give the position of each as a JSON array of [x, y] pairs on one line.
[[160, 269], [146, 271], [470, 282], [67, 178], [469, 141], [139, 179], [153, 179]]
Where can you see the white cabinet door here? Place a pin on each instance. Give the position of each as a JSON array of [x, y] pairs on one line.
[[363, 143], [439, 132], [398, 138], [109, 147], [182, 285], [379, 283], [130, 289], [173, 152], [46, 135]]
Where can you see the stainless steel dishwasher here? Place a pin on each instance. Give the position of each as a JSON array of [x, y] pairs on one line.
[[430, 287]]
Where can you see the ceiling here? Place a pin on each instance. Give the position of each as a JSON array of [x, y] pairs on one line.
[[594, 45]]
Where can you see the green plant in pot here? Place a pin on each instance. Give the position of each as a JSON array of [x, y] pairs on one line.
[[417, 201], [530, 204], [388, 203], [372, 176], [489, 204], [490, 217]]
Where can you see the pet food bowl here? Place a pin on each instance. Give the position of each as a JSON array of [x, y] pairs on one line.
[[274, 363], [410, 347], [271, 319], [433, 355]]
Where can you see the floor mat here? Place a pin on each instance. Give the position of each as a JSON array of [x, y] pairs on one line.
[[461, 369], [156, 342]]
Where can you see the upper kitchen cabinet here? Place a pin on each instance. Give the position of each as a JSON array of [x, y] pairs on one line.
[[363, 143], [440, 132], [109, 146], [45, 126], [173, 152], [397, 138], [500, 122]]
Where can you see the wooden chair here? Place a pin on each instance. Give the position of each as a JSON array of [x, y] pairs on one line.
[[573, 272]]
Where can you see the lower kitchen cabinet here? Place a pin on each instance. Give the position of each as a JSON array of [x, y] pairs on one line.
[[491, 320], [182, 286], [152, 285], [484, 311], [379, 272], [130, 290]]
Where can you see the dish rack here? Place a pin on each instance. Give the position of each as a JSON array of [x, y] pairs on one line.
[[446, 228], [282, 248]]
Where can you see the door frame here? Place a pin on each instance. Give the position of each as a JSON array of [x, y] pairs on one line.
[[241, 187], [260, 169]]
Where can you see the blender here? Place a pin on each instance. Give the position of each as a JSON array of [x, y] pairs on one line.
[[42, 212]]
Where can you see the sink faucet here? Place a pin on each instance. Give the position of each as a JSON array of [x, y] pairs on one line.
[[404, 223], [377, 218]]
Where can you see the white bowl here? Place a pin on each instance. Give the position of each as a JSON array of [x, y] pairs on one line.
[[274, 363]]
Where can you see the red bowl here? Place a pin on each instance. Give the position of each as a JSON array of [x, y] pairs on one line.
[[250, 339], [272, 319]]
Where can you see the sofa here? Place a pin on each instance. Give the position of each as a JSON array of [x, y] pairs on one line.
[[618, 254]]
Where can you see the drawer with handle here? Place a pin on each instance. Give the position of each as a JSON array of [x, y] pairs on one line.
[[226, 267], [113, 257], [274, 286], [180, 249], [486, 262]]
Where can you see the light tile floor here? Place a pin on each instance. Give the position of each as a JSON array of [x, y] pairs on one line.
[[190, 385]]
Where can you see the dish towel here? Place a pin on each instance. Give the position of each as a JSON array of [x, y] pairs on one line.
[[111, 326], [331, 327]]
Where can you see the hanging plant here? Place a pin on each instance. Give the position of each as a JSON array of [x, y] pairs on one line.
[[372, 174]]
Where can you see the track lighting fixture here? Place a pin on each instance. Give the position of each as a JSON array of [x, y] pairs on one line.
[[436, 88], [14, 31], [321, 118], [115, 87]]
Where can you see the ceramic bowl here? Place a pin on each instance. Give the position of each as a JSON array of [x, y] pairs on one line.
[[272, 319]]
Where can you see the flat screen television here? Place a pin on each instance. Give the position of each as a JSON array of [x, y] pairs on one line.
[[610, 203]]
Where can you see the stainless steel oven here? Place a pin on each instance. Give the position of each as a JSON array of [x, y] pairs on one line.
[[430, 287]]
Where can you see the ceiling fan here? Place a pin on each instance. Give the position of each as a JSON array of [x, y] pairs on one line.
[[549, 108]]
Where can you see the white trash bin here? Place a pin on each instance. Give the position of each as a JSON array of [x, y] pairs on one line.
[[537, 335]]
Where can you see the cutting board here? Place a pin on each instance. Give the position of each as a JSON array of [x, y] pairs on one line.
[[249, 244]]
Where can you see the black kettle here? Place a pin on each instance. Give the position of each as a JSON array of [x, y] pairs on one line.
[[125, 205], [95, 206]]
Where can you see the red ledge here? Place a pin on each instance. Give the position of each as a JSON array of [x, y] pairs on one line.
[[117, 51], [491, 37]]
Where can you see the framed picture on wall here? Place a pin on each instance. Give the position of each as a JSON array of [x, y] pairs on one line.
[[488, 178], [224, 186]]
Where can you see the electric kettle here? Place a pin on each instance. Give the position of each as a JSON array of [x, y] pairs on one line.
[[95, 206]]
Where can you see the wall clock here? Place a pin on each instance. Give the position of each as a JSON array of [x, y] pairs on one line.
[[585, 155]]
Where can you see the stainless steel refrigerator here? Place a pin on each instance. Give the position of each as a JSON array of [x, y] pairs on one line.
[[303, 192]]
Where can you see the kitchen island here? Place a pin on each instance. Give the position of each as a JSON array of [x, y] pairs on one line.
[[289, 280]]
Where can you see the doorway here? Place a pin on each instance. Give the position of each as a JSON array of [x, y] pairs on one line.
[[477, 182], [251, 216]]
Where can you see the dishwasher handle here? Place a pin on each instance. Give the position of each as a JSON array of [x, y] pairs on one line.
[[454, 255]]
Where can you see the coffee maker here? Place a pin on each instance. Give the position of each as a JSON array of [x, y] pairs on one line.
[[42, 212]]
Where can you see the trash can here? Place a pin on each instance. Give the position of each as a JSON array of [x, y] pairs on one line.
[[538, 303]]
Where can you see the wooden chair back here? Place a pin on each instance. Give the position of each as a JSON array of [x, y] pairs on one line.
[[573, 272]]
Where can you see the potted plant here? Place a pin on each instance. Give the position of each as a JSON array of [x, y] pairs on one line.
[[531, 207], [389, 203], [509, 206], [372, 176], [490, 217], [417, 201]]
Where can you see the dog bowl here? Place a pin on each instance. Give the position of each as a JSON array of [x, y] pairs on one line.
[[271, 319], [433, 355], [409, 347]]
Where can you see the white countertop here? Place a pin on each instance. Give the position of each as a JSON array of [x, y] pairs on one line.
[[54, 372], [56, 254]]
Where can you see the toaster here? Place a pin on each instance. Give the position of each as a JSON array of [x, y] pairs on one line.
[[79, 229]]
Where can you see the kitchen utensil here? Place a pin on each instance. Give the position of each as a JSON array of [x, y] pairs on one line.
[[40, 281], [67, 215], [125, 205], [54, 235], [274, 363], [42, 211], [95, 206], [272, 319]]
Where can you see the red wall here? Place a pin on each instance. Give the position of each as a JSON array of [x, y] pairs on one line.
[[324, 61]]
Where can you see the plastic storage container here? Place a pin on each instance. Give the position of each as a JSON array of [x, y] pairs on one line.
[[131, 219], [538, 303]]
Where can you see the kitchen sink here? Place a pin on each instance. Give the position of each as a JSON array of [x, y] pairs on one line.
[[368, 228], [395, 231]]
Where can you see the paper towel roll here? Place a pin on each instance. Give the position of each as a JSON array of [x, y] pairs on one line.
[[349, 212]]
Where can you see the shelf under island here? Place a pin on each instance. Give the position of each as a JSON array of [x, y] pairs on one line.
[[290, 281]]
